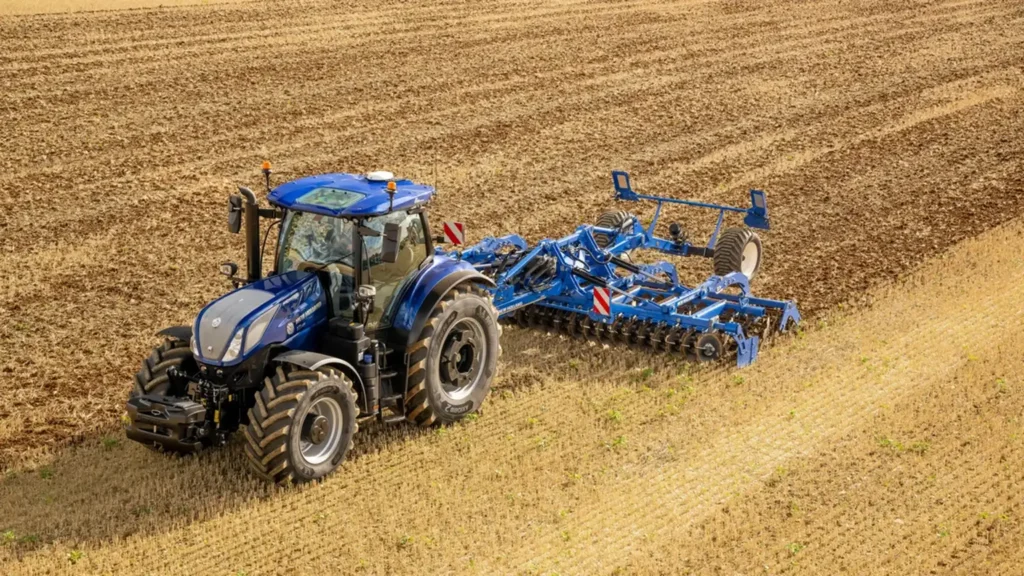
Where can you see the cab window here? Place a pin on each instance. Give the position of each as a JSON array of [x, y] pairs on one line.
[[389, 277]]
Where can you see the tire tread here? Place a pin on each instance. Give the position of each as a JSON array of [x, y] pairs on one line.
[[270, 420], [417, 403], [728, 256]]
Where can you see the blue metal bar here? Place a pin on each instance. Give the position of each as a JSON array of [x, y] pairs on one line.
[[712, 311], [692, 203], [718, 226], [654, 221], [780, 304]]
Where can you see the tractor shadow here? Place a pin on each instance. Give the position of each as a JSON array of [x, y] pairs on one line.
[[534, 355], [109, 488]]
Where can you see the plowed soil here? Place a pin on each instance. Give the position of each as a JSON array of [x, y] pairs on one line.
[[884, 132], [26, 7], [849, 449]]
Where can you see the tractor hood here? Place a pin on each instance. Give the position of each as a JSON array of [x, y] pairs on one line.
[[268, 311]]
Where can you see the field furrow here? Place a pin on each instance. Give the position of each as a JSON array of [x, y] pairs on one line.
[[548, 481], [885, 439]]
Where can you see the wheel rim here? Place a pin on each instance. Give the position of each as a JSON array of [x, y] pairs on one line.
[[750, 259], [321, 430], [462, 358]]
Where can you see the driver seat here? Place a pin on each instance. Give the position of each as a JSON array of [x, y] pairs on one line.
[[390, 274]]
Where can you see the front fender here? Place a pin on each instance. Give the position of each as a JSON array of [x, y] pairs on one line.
[[431, 284], [182, 333], [314, 360]]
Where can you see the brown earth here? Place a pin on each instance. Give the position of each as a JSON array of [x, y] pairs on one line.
[[25, 7], [884, 132], [852, 448]]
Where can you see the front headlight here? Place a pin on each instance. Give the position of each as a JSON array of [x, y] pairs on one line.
[[235, 347], [192, 345], [258, 327]]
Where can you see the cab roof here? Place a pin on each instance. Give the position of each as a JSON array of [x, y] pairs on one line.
[[349, 195]]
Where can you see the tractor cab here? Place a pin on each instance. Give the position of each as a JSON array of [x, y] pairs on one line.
[[363, 236]]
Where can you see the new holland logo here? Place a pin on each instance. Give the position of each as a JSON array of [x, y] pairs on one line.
[[215, 322]]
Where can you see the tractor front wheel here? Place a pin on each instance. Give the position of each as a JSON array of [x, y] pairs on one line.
[[452, 362], [302, 424], [152, 376]]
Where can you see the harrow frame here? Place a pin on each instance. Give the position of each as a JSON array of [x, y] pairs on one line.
[[553, 283]]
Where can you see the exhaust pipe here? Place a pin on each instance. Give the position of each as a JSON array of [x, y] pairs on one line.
[[253, 262]]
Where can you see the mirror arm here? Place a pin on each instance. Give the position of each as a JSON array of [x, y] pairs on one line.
[[367, 231], [253, 263]]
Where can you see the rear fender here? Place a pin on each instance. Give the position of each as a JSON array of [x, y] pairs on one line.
[[431, 284]]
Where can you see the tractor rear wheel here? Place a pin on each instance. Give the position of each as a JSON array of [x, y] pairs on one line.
[[152, 376], [454, 358], [302, 424], [614, 220], [738, 250]]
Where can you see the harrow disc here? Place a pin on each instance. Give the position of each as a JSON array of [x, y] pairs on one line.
[[658, 337], [709, 347], [656, 340], [689, 343], [673, 340], [522, 317]]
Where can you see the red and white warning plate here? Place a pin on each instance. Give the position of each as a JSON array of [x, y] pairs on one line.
[[455, 233], [602, 301]]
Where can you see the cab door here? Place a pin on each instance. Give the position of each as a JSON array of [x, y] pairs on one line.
[[389, 278]]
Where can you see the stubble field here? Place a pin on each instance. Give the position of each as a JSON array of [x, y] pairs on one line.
[[885, 440]]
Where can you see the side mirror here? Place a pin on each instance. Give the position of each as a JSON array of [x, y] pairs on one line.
[[234, 213], [392, 234], [229, 269]]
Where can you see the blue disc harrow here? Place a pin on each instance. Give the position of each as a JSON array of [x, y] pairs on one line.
[[586, 285]]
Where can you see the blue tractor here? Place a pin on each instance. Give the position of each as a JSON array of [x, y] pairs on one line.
[[365, 318]]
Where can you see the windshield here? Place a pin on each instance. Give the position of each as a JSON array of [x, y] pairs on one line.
[[322, 244], [314, 240]]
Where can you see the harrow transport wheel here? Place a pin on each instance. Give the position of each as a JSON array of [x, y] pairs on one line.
[[452, 362], [152, 376], [738, 250], [614, 220], [302, 424]]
